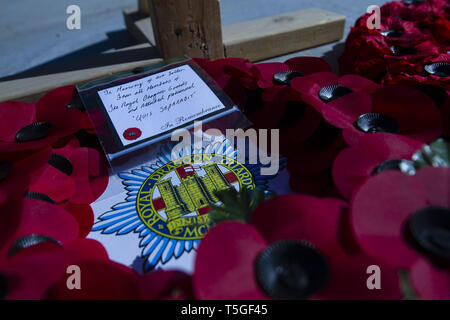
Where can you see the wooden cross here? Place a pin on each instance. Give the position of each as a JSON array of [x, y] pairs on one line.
[[193, 27]]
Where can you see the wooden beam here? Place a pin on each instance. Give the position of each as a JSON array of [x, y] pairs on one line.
[[281, 34], [191, 27], [268, 37], [30, 89]]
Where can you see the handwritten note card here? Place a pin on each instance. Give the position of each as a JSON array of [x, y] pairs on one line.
[[158, 103]]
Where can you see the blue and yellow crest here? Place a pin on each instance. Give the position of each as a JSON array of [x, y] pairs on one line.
[[167, 202]]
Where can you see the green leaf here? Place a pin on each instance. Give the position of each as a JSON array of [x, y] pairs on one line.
[[236, 205], [437, 154]]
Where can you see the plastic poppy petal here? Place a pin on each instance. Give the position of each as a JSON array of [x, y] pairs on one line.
[[429, 282], [384, 146], [30, 168], [351, 168], [241, 72], [380, 209], [215, 68], [436, 183], [355, 165], [308, 89], [415, 112], [15, 115], [83, 214], [160, 284], [316, 184], [271, 94], [264, 72], [40, 217], [358, 83], [86, 249], [30, 275], [101, 280], [324, 78], [52, 107], [54, 183], [313, 159], [98, 172], [33, 270], [300, 217], [269, 116], [83, 193], [349, 278], [224, 265], [343, 112], [308, 65], [303, 128]]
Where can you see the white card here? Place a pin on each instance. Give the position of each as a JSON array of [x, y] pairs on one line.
[[159, 103]]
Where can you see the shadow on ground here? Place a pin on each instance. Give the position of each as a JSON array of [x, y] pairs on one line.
[[92, 56]]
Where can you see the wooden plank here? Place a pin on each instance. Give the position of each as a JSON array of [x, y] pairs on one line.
[[281, 34], [191, 27], [268, 37], [139, 25], [30, 89]]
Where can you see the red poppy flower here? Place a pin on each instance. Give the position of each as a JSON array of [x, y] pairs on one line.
[[35, 214], [377, 152], [108, 280], [292, 248], [215, 68], [403, 219], [410, 32], [33, 126], [282, 107], [415, 52], [310, 163], [55, 179], [296, 120], [318, 184], [132, 133], [40, 271], [240, 71], [321, 88], [430, 283], [364, 55], [391, 109], [429, 10], [395, 9], [16, 175], [393, 31], [233, 75], [433, 71], [84, 216], [273, 74], [318, 152], [32, 270], [440, 29], [90, 171]]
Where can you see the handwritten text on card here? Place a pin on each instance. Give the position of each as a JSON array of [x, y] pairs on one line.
[[158, 103]]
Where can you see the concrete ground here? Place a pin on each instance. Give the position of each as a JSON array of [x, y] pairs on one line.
[[34, 37]]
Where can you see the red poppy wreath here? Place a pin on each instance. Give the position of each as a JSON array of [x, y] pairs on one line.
[[368, 160]]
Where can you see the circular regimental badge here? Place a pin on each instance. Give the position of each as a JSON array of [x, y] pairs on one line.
[[174, 201]]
